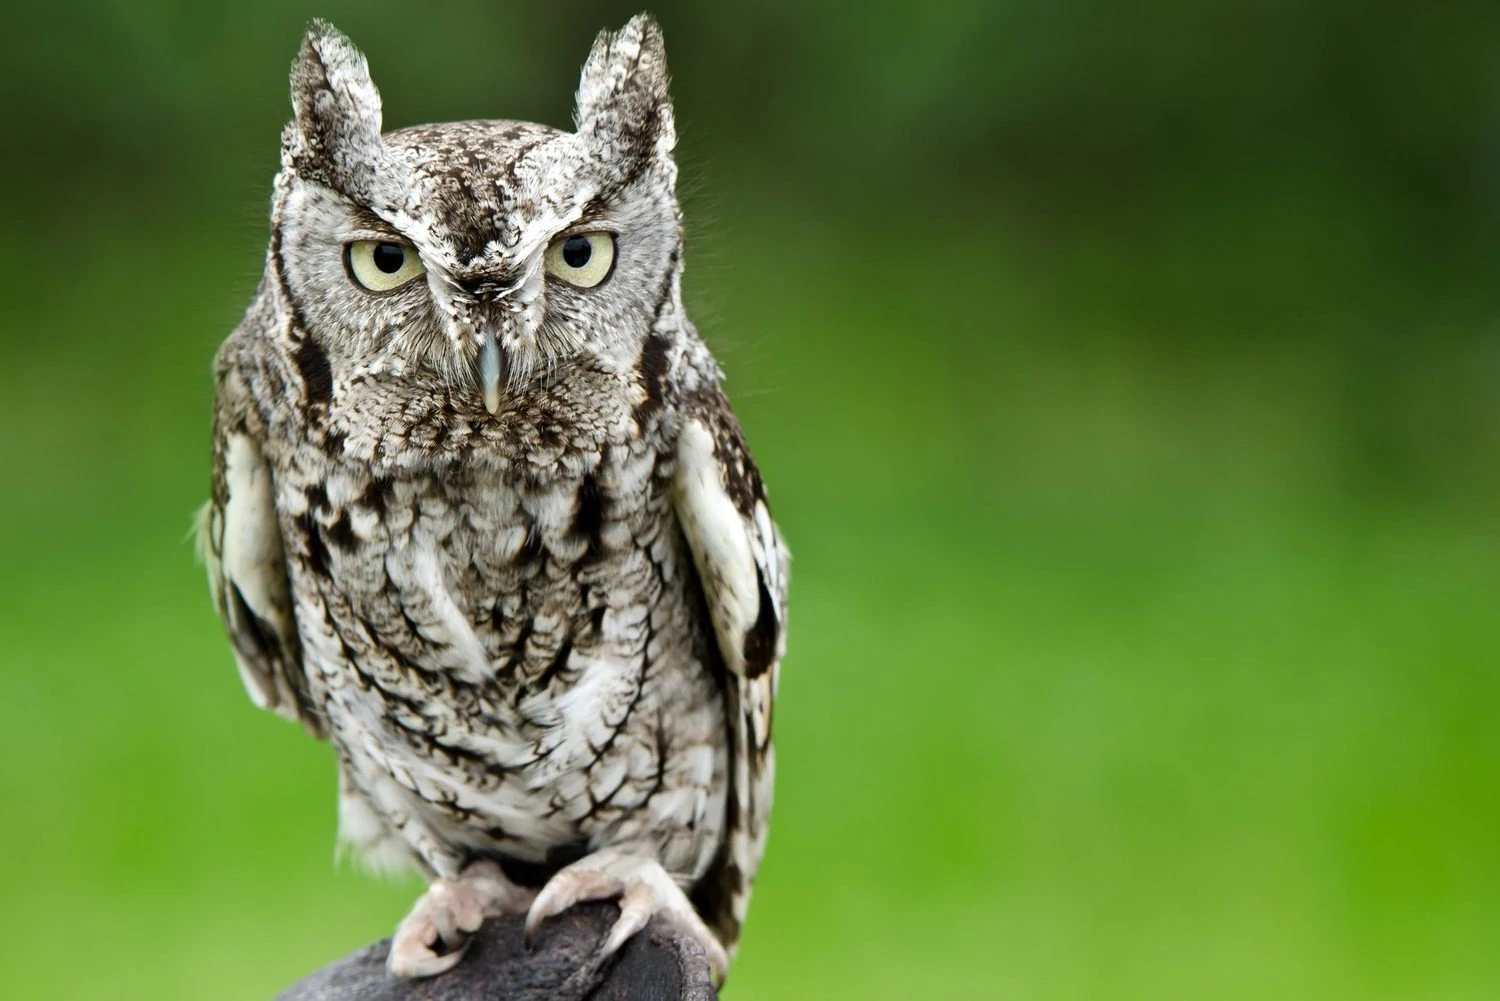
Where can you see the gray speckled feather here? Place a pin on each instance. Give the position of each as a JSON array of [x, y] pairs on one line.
[[495, 533]]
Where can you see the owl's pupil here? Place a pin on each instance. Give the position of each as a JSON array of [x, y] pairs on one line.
[[576, 251], [389, 257]]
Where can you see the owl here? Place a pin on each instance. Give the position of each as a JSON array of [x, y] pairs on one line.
[[482, 518]]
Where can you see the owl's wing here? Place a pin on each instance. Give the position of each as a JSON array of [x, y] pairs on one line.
[[240, 542], [720, 502]]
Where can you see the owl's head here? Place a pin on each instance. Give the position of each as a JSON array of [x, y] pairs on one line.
[[489, 252]]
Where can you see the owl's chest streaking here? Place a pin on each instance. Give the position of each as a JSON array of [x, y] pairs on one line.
[[511, 660]]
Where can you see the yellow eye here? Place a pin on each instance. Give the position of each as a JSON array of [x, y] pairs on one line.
[[382, 265], [584, 259]]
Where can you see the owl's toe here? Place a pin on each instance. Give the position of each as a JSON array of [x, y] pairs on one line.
[[433, 937], [644, 890], [421, 949]]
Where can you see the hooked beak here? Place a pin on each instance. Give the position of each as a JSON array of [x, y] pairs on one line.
[[491, 370], [499, 306]]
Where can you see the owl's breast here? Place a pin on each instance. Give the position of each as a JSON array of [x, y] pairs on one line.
[[523, 655]]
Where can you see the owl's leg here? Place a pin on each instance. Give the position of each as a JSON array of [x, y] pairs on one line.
[[643, 888], [433, 937]]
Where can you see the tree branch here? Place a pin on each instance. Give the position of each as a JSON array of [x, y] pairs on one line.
[[657, 965]]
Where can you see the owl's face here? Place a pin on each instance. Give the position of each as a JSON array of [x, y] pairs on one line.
[[490, 252]]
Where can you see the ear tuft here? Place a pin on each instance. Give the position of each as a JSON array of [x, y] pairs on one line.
[[623, 98], [335, 136]]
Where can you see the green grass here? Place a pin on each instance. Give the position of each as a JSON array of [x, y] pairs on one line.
[[1115, 671]]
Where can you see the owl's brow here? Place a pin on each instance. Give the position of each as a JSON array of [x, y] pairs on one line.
[[365, 219], [596, 210], [384, 233], [589, 222], [366, 225]]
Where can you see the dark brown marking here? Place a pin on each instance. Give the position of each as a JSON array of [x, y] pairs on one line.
[[558, 665], [298, 323], [488, 286], [532, 547], [376, 494], [664, 294], [259, 633], [652, 369], [312, 362], [659, 779], [341, 533], [518, 653], [317, 550], [588, 518], [740, 476], [760, 640]]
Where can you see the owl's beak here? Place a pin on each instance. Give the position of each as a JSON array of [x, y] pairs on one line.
[[491, 371]]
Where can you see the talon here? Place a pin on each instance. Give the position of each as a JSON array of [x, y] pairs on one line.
[[447, 916], [635, 912], [415, 955], [644, 890], [567, 887], [541, 909]]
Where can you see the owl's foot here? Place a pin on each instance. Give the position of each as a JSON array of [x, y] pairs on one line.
[[643, 888], [433, 937]]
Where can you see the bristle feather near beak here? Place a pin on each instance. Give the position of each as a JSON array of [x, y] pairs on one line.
[[491, 372]]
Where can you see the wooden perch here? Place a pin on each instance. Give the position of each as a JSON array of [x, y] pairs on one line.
[[656, 965]]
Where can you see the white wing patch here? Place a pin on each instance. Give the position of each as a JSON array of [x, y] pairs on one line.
[[241, 544], [721, 506], [716, 534]]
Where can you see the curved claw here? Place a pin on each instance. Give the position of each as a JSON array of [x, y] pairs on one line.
[[449, 913], [644, 888], [413, 950], [569, 886]]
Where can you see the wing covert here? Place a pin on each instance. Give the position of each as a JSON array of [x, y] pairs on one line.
[[742, 564], [239, 539]]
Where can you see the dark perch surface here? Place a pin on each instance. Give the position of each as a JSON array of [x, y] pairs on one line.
[[657, 965]]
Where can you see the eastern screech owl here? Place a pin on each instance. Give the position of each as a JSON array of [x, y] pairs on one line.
[[483, 520]]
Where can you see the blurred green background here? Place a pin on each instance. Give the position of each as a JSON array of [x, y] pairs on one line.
[[1127, 377]]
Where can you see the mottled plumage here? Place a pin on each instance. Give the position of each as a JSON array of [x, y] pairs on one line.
[[493, 534]]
